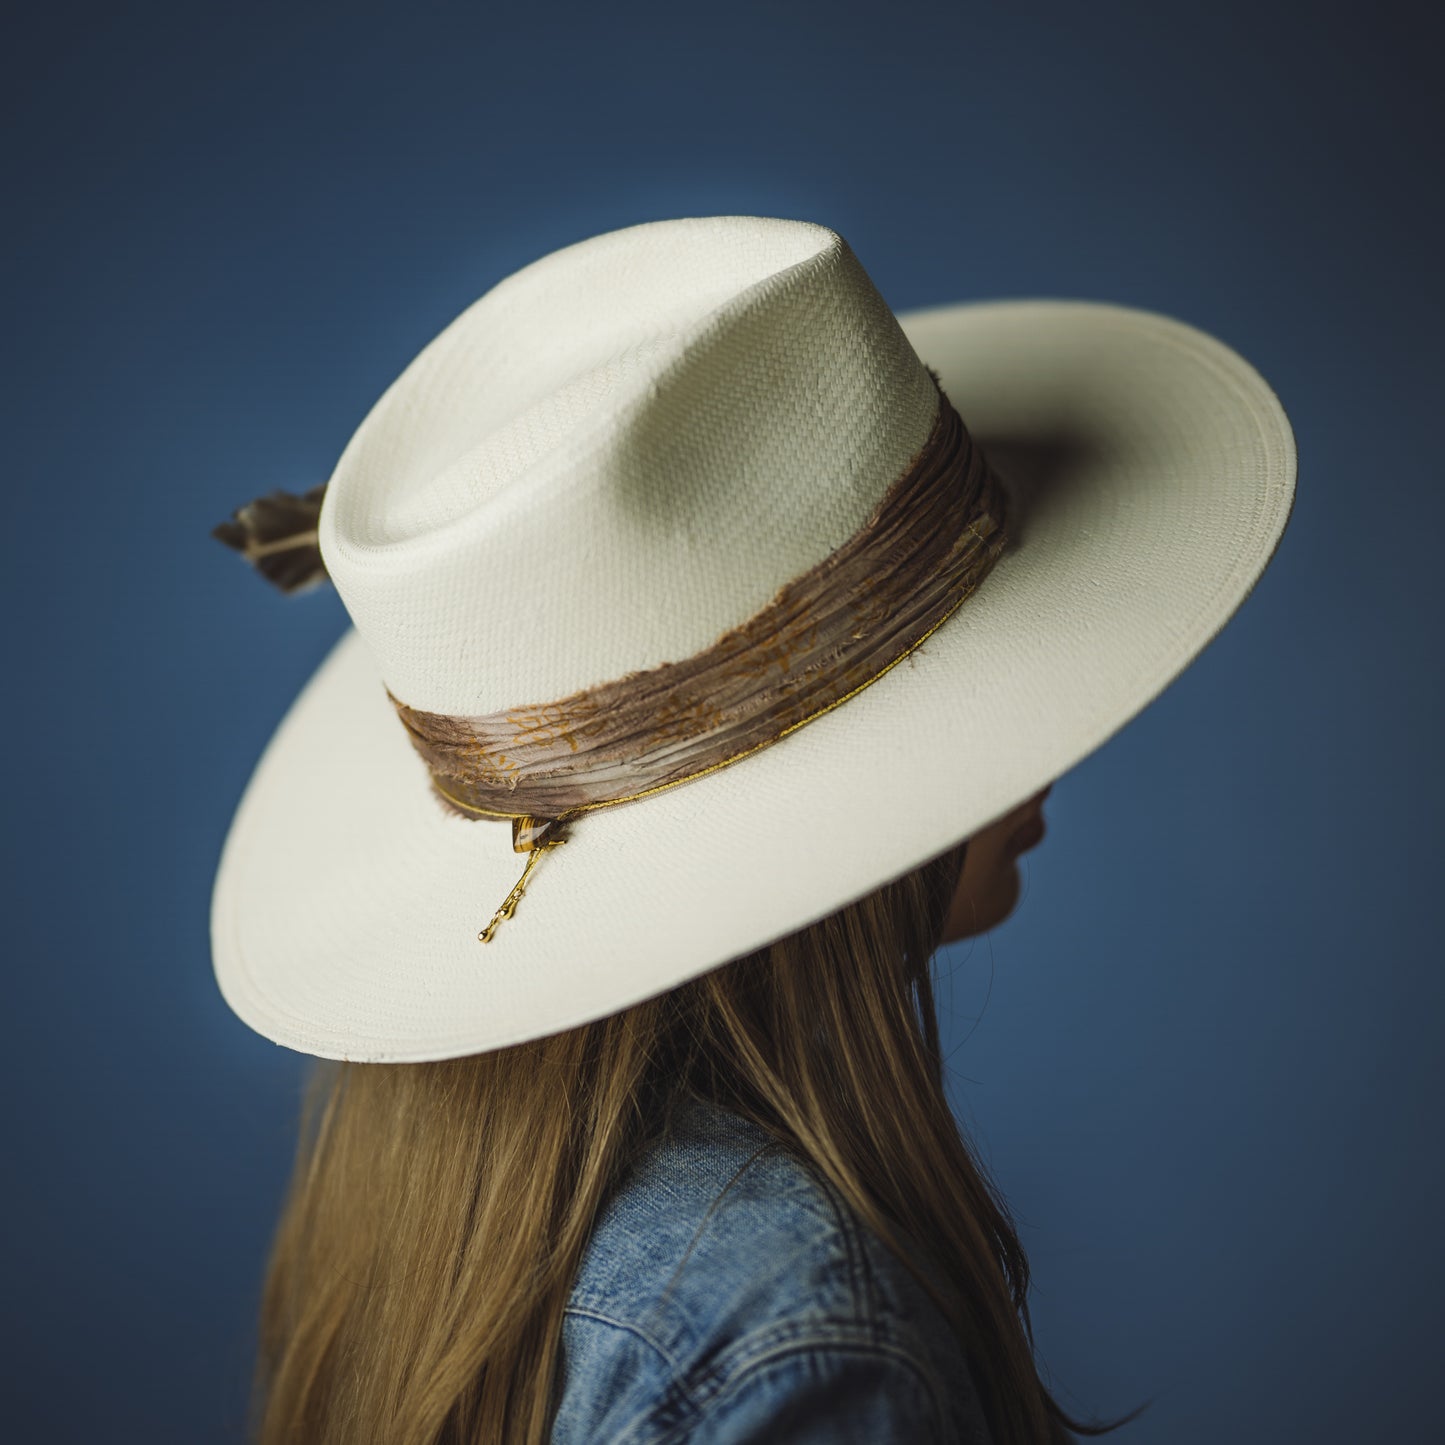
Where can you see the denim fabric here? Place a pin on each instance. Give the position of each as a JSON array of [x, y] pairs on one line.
[[728, 1295]]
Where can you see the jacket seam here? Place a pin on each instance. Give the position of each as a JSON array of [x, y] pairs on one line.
[[705, 1381], [860, 1270], [712, 1208], [585, 1312], [814, 1343]]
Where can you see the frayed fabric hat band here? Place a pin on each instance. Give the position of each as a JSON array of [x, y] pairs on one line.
[[824, 637]]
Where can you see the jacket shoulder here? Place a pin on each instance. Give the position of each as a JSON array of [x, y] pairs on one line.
[[725, 1268]]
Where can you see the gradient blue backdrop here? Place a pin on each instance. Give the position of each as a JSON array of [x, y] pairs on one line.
[[1208, 1068]]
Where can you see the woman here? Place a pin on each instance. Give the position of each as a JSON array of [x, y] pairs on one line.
[[640, 1161]]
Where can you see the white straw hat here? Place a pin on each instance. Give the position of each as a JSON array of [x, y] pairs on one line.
[[629, 450]]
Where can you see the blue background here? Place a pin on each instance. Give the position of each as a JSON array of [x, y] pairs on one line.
[[1207, 1068]]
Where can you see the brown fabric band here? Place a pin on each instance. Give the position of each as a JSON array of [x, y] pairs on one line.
[[825, 636]]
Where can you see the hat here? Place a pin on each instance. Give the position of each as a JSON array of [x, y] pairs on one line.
[[680, 548]]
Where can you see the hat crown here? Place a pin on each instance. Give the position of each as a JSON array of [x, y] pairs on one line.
[[617, 454]]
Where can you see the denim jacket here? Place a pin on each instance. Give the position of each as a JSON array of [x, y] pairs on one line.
[[728, 1294]]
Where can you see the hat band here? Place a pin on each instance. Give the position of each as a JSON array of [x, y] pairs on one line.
[[826, 635]]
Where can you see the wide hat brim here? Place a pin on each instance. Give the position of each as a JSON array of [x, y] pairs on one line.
[[1152, 472]]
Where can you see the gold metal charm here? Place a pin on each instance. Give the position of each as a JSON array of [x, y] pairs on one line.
[[533, 836]]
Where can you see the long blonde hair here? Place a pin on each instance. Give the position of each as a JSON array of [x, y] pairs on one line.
[[438, 1212]]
